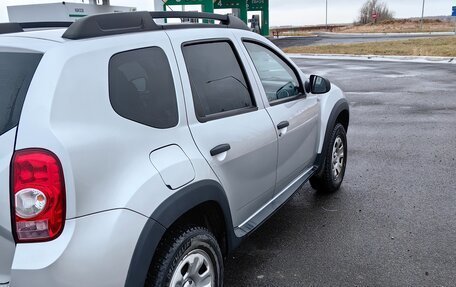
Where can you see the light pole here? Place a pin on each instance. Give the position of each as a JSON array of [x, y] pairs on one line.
[[326, 14], [422, 16]]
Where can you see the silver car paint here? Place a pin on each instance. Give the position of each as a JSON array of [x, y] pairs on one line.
[[26, 43], [92, 251], [76, 113], [7, 244], [67, 114], [7, 140], [298, 142], [327, 102], [248, 171], [175, 168], [296, 146]]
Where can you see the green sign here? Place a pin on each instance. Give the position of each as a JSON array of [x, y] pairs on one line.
[[233, 4], [207, 5], [257, 5], [186, 2], [243, 6], [226, 4]]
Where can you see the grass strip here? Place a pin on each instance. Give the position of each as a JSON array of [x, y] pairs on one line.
[[441, 47]]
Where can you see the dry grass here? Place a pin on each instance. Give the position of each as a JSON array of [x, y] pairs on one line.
[[390, 26], [297, 34], [441, 46], [400, 26]]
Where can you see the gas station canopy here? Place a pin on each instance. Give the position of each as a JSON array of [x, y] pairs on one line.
[[243, 6]]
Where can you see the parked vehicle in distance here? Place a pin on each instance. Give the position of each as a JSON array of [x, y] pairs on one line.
[[141, 154]]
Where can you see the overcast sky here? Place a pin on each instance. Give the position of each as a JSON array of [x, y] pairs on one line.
[[297, 12]]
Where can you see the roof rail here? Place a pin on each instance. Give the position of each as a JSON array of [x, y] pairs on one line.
[[6, 28], [130, 22], [32, 25]]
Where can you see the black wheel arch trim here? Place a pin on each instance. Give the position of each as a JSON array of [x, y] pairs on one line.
[[340, 106], [142, 255], [166, 214]]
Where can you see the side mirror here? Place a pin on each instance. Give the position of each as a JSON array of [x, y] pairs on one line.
[[317, 85]]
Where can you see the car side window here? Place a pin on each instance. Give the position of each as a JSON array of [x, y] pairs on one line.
[[141, 87], [218, 82], [277, 77]]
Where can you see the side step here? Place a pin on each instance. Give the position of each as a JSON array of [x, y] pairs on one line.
[[274, 204]]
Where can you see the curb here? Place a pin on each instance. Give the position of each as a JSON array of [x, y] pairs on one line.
[[410, 59], [393, 34]]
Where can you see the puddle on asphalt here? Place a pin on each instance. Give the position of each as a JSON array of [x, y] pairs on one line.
[[400, 76]]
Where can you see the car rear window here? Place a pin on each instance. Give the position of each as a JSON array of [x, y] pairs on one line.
[[16, 73], [141, 87]]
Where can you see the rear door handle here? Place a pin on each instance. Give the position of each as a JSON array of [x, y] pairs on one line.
[[220, 149], [283, 125]]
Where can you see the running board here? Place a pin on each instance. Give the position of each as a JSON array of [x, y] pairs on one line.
[[274, 204]]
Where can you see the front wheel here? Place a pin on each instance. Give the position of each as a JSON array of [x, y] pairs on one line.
[[331, 175], [188, 257]]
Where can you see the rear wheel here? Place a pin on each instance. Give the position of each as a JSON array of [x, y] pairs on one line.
[[331, 175], [188, 257]]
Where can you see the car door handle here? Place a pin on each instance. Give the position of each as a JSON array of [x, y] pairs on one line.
[[283, 125], [220, 149]]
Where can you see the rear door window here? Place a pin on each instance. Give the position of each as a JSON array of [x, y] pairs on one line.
[[16, 73], [219, 85]]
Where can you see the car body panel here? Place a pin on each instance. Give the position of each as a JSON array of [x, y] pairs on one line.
[[298, 144], [328, 101], [246, 171], [298, 141], [26, 43], [91, 251], [75, 120], [175, 168], [8, 139], [7, 244]]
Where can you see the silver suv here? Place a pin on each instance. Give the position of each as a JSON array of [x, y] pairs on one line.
[[139, 153]]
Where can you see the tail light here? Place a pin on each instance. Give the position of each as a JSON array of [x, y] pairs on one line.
[[38, 196]]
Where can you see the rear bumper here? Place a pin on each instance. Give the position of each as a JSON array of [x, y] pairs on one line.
[[94, 250]]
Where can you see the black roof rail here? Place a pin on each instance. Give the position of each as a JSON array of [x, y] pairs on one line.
[[130, 22], [32, 25], [6, 28]]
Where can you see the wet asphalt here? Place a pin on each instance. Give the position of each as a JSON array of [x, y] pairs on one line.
[[327, 39], [393, 223]]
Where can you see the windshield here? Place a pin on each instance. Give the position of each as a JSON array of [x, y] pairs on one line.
[[16, 73]]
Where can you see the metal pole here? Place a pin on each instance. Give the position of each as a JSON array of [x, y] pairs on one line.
[[422, 16], [326, 14]]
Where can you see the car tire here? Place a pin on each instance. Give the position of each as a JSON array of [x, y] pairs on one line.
[[189, 256], [331, 175]]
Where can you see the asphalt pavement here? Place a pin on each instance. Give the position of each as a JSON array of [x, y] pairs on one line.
[[334, 38], [393, 223]]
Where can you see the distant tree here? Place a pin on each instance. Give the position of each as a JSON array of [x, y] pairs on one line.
[[370, 6]]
